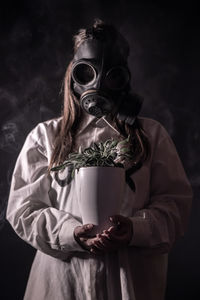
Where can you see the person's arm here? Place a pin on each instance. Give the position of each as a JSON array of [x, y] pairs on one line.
[[30, 211], [164, 220]]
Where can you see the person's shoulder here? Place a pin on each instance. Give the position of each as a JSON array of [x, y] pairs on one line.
[[45, 131], [153, 128], [49, 125], [148, 123]]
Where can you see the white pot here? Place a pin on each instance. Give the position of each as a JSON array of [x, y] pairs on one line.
[[100, 192]]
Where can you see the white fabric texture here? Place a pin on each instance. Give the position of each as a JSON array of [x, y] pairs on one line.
[[44, 211]]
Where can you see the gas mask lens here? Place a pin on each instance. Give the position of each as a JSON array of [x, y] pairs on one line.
[[117, 78], [83, 73]]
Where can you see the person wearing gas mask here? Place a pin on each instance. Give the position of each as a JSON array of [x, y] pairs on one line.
[[128, 260]]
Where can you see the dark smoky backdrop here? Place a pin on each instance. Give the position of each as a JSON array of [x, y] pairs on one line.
[[35, 48]]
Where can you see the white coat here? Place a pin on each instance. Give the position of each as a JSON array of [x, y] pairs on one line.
[[44, 213]]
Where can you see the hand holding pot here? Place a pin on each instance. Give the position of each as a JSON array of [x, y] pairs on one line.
[[83, 236], [118, 235]]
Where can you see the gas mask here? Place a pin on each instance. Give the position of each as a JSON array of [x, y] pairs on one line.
[[100, 78]]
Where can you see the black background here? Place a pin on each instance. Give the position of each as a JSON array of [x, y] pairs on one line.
[[35, 48]]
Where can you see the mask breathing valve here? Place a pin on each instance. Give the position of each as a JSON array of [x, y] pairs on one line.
[[95, 103]]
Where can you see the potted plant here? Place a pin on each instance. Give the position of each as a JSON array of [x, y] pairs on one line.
[[99, 176]]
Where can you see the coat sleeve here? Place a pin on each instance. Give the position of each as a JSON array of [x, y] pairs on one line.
[[30, 211], [165, 218]]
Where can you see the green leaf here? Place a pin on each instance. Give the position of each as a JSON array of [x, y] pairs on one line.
[[79, 149], [124, 150], [98, 154], [96, 147]]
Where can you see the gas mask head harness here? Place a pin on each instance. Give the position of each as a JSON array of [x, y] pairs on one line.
[[100, 78]]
